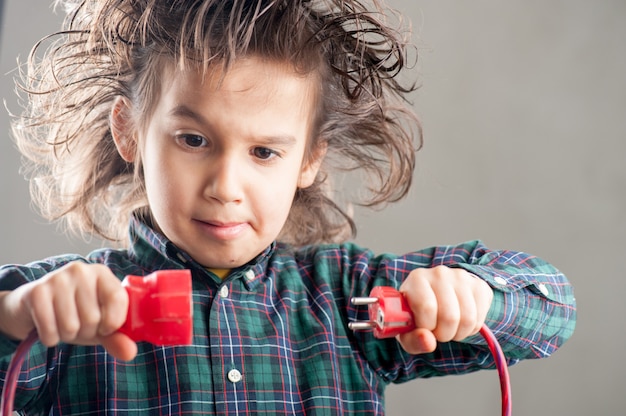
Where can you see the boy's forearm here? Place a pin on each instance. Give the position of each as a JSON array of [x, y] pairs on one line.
[[533, 311]]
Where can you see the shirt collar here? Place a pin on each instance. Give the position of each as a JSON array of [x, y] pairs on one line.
[[153, 251]]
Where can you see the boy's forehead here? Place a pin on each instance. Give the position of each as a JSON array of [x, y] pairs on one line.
[[266, 95], [252, 76], [242, 73]]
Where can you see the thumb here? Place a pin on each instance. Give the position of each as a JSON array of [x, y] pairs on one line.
[[120, 346], [418, 341]]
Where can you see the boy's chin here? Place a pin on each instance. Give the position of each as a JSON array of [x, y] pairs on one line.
[[224, 261]]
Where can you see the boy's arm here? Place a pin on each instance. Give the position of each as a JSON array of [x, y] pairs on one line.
[[78, 303], [12, 277], [532, 313]]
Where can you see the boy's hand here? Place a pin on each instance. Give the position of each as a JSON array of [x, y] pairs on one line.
[[448, 305], [83, 304]]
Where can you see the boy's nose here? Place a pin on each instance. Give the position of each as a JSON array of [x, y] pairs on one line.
[[225, 182]]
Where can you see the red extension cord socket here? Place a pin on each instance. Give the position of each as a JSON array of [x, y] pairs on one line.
[[159, 308]]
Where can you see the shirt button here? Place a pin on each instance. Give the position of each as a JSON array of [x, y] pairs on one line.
[[224, 292], [249, 275], [234, 376], [500, 280], [543, 289]]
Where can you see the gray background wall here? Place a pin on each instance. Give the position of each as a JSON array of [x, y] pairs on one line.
[[524, 112]]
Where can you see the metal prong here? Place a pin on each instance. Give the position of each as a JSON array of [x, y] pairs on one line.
[[361, 325], [363, 301]]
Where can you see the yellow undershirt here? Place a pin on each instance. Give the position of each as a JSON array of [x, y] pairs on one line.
[[221, 273]]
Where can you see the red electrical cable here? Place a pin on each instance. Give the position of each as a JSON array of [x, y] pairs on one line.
[[501, 367], [387, 307], [13, 373]]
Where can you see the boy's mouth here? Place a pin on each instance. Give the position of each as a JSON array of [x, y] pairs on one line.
[[223, 230]]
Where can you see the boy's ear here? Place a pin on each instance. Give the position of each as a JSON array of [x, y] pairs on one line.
[[312, 166], [122, 130]]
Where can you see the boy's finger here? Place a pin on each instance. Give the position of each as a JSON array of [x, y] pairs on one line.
[[113, 300], [448, 311], [43, 315], [422, 300], [418, 341], [120, 346], [468, 315]]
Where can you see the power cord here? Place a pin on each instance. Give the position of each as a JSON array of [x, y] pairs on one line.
[[501, 367], [13, 373], [162, 298]]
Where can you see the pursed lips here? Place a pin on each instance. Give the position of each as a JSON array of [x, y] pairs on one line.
[[222, 230]]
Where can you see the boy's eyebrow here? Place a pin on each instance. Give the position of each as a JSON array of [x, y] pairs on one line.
[[280, 139], [182, 110]]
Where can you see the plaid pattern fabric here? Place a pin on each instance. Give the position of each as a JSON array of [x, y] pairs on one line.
[[273, 337]]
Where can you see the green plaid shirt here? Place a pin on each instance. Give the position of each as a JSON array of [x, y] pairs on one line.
[[273, 337]]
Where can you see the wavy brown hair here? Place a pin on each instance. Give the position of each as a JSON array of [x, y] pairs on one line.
[[116, 48]]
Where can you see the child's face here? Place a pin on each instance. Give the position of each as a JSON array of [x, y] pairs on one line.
[[222, 160]]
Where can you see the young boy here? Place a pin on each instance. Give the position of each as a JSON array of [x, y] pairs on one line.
[[213, 126]]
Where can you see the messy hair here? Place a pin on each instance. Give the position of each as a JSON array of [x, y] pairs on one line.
[[115, 48]]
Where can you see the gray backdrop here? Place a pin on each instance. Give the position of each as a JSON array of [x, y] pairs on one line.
[[523, 105]]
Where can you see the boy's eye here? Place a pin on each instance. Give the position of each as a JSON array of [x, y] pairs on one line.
[[263, 153], [192, 140]]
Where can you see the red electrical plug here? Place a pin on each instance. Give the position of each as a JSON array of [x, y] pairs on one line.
[[389, 313], [159, 307]]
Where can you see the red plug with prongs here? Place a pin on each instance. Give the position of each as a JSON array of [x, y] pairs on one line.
[[159, 307], [389, 313]]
